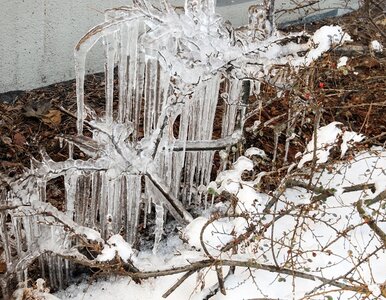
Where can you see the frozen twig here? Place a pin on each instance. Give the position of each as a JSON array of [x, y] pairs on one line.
[[178, 283], [371, 222]]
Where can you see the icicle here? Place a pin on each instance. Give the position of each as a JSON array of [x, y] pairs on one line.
[[41, 184], [83, 201], [139, 83], [159, 223], [4, 237], [276, 134], [123, 47], [80, 70], [198, 165], [133, 196], [150, 84], [59, 272], [67, 267], [80, 53], [114, 207], [70, 185], [61, 142], [132, 74], [70, 150], [42, 266], [110, 42], [26, 277], [28, 232], [103, 204], [179, 157], [288, 134], [146, 208], [16, 226], [230, 112], [51, 272]]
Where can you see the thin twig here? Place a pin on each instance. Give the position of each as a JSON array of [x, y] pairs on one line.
[[371, 222], [178, 283]]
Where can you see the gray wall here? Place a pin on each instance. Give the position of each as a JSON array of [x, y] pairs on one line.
[[38, 36]]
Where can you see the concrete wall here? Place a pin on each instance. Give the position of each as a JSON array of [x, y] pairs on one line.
[[38, 36]]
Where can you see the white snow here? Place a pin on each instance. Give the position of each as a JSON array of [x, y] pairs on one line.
[[380, 185], [216, 235], [242, 164], [376, 46], [324, 38], [335, 260], [327, 138], [349, 137], [116, 245], [255, 151], [342, 62], [193, 230]]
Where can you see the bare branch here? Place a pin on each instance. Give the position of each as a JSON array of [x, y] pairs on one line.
[[178, 283], [371, 222]]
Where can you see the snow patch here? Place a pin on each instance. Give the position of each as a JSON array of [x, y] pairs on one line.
[[255, 151], [327, 138], [380, 185], [376, 46], [116, 245], [216, 235], [347, 138], [324, 38], [342, 62]]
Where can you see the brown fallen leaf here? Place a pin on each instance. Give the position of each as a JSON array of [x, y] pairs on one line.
[[365, 63], [382, 287], [37, 109], [3, 267], [19, 139], [8, 164], [53, 116], [381, 22], [6, 140]]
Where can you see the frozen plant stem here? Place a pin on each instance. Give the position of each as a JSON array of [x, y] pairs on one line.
[[315, 149], [157, 149]]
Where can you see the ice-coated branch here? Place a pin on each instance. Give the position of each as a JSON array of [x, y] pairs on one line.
[[174, 206], [178, 283], [371, 222], [207, 145], [209, 263]]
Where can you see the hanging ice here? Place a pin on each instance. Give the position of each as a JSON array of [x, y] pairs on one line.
[[154, 146]]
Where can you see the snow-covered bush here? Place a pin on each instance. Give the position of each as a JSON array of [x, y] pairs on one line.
[[174, 70]]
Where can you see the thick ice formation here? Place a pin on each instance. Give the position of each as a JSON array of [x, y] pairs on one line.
[[154, 146]]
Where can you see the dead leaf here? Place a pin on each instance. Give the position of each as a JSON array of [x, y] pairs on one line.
[[6, 140], [3, 267], [8, 164], [381, 22], [19, 139], [382, 287], [37, 109], [365, 63], [53, 116]]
